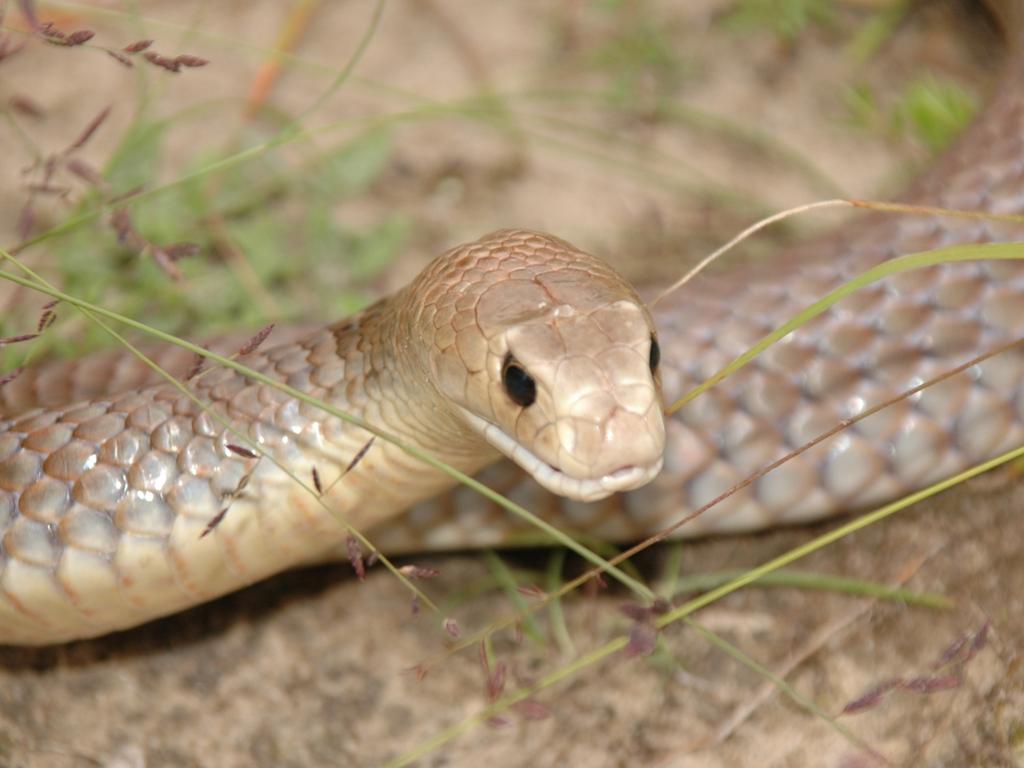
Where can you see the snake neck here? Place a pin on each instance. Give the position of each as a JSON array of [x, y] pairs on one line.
[[391, 384]]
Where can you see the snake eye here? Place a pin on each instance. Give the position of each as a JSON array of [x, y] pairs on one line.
[[519, 385], [655, 354]]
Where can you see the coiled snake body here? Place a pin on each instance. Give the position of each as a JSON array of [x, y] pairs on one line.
[[121, 499]]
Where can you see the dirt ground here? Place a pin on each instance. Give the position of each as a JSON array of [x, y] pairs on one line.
[[316, 668]]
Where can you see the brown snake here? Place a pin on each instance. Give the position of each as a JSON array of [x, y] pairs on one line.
[[521, 345]]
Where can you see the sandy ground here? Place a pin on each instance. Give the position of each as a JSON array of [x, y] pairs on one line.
[[315, 668]]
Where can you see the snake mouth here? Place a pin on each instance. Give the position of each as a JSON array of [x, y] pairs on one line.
[[552, 478]]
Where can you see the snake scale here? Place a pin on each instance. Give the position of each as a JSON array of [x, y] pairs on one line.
[[121, 499]]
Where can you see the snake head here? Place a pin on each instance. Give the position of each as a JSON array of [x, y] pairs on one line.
[[551, 358]]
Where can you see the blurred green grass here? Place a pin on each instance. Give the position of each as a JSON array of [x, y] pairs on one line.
[[273, 236]]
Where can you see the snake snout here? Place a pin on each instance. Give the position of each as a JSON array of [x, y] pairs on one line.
[[638, 439], [617, 442]]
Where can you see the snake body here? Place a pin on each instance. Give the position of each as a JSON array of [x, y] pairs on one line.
[[129, 506], [521, 345]]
